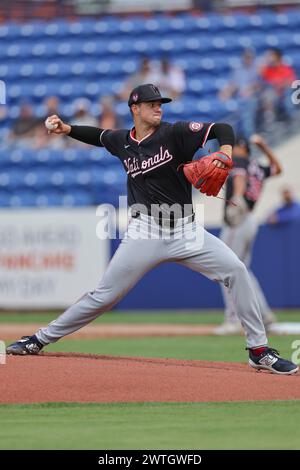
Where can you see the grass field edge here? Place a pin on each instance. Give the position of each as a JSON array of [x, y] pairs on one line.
[[138, 404]]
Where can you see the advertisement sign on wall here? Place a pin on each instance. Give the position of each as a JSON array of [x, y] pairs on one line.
[[49, 258]]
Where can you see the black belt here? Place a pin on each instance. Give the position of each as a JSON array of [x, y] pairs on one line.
[[170, 223]]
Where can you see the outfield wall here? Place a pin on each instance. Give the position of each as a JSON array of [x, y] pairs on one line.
[[49, 258]]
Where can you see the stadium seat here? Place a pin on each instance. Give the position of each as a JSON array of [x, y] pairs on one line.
[[77, 198], [32, 31], [103, 28], [43, 156], [198, 43], [21, 157], [49, 198], [12, 179], [256, 22], [101, 157], [57, 29], [4, 180], [23, 198], [293, 20], [37, 179], [5, 159], [131, 27], [74, 156], [4, 33], [204, 23], [10, 31], [44, 49], [4, 198], [16, 50], [56, 68]]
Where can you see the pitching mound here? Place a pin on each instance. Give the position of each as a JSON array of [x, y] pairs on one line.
[[54, 377]]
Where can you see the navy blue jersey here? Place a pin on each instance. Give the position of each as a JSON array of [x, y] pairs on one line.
[[151, 164]]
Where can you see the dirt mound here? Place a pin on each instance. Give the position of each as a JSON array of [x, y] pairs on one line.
[[53, 377]]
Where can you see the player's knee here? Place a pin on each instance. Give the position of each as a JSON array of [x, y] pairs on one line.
[[237, 271], [104, 299], [239, 267]]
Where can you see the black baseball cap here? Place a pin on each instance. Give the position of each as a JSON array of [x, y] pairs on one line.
[[243, 142], [145, 94]]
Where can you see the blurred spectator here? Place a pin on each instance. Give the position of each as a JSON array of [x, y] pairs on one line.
[[108, 118], [4, 130], [26, 122], [3, 113], [288, 212], [82, 116], [51, 106], [277, 77], [145, 74], [170, 79], [25, 126], [244, 85]]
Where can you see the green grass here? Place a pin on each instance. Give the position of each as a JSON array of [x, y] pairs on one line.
[[143, 316], [209, 348], [246, 425], [154, 426]]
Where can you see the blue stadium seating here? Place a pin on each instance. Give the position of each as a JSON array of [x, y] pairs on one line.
[[91, 58], [23, 198]]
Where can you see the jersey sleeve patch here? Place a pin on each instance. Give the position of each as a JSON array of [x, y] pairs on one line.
[[195, 126]]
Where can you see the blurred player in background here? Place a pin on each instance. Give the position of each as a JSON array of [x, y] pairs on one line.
[[244, 187]]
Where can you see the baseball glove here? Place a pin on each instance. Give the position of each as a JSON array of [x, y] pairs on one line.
[[204, 175]]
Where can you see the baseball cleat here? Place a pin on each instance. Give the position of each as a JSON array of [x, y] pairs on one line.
[[25, 345], [269, 359]]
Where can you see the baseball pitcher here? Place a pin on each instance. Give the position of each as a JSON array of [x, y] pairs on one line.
[[156, 155]]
